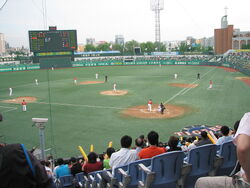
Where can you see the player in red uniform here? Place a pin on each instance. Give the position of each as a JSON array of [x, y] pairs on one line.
[[24, 106], [150, 105], [75, 80], [210, 84]]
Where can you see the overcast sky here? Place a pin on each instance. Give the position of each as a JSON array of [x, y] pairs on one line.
[[103, 19]]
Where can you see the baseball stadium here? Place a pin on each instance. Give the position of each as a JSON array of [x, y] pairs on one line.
[[90, 112], [125, 114]]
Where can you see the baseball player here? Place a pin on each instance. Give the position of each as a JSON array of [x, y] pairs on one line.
[[24, 107], [114, 87], [10, 91], [75, 80], [36, 81], [96, 75], [106, 78], [150, 105], [198, 76], [175, 76], [162, 108], [210, 84]]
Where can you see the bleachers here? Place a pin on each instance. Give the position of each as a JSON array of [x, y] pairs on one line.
[[165, 170]]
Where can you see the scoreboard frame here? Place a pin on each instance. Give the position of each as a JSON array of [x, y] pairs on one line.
[[52, 40]]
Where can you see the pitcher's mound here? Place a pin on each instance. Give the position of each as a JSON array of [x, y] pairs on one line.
[[18, 100], [91, 82], [142, 111], [183, 85], [112, 93]]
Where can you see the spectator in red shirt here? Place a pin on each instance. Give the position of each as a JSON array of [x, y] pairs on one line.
[[153, 149], [92, 164]]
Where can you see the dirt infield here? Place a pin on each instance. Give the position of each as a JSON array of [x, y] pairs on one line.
[[18, 100], [91, 82], [246, 80], [171, 111], [112, 93], [183, 85], [228, 69]]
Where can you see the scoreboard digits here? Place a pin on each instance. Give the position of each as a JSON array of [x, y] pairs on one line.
[[52, 41]]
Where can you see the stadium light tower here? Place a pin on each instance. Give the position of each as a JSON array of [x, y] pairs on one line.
[[157, 6]]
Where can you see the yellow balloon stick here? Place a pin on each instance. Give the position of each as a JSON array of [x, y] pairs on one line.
[[110, 144], [83, 153], [211, 138], [91, 148]]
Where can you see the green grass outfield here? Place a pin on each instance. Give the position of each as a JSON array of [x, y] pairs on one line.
[[79, 115]]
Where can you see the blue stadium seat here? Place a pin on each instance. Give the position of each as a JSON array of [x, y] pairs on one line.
[[67, 181], [131, 177], [202, 160], [165, 170], [80, 179], [228, 153]]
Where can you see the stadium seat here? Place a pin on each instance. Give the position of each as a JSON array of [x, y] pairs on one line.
[[228, 153], [80, 179], [165, 170], [116, 177], [202, 159], [66, 181], [131, 177], [95, 179]]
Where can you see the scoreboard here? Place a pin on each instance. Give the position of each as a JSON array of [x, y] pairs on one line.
[[52, 40]]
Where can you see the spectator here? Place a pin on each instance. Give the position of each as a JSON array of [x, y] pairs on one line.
[[153, 149], [76, 166], [15, 171], [204, 139], [242, 178], [92, 164], [225, 135], [47, 167], [173, 144], [125, 155], [62, 169], [107, 156], [138, 144], [192, 144]]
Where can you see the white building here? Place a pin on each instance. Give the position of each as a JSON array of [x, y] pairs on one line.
[[90, 41], [2, 44], [119, 39]]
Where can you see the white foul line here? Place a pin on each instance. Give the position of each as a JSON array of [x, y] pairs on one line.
[[184, 90], [10, 108]]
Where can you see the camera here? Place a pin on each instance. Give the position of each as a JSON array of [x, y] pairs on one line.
[[39, 120]]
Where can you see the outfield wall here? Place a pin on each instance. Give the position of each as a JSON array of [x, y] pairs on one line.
[[23, 67]]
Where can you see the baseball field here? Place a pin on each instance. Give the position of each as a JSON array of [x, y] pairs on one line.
[[89, 112]]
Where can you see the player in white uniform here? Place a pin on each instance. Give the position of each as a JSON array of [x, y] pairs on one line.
[[10, 91], [150, 105], [175, 76], [114, 87], [36, 81], [96, 75], [210, 84]]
